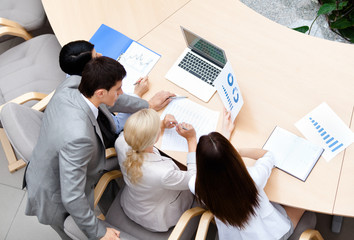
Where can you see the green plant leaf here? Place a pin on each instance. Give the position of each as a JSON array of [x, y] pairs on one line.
[[342, 23], [348, 33], [326, 8], [301, 29], [341, 5]]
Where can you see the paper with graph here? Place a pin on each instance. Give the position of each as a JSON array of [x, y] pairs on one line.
[[138, 62], [137, 59], [323, 126], [203, 120]]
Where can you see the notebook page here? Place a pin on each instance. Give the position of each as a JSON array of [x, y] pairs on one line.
[[294, 155], [203, 120]]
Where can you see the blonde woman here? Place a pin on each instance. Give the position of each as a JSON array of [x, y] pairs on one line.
[[156, 192]]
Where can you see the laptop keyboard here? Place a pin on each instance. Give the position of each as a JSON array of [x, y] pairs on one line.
[[199, 68]]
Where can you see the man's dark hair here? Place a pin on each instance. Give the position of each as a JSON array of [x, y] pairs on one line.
[[100, 73], [74, 56]]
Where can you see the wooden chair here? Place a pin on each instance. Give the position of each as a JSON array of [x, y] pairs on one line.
[[15, 163], [21, 129], [29, 73], [73, 231], [208, 217], [18, 17]]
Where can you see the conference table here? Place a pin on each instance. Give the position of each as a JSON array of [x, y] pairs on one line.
[[282, 74]]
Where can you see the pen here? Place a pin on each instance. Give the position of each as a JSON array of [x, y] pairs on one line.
[[176, 97], [182, 126], [137, 82]]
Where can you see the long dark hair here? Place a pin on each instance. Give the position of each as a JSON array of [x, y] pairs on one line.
[[223, 183]]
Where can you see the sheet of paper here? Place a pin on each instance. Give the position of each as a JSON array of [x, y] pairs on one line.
[[229, 91], [323, 126], [294, 155], [203, 120], [138, 62]]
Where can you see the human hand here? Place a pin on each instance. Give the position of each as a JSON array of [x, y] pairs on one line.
[[227, 125], [111, 234], [160, 100], [169, 121], [141, 86], [187, 131]]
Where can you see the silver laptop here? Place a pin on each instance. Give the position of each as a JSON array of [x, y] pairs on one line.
[[198, 66]]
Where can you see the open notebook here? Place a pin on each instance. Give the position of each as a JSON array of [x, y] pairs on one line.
[[294, 155]]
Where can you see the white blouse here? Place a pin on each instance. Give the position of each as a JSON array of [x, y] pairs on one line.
[[270, 221], [161, 196]]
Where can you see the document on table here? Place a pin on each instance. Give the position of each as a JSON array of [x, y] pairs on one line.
[[203, 120], [138, 62], [294, 155], [323, 127], [137, 59]]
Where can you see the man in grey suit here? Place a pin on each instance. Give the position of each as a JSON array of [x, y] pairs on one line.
[[73, 58], [69, 157]]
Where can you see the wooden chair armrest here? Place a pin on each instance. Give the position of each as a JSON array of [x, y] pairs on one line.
[[18, 32], [9, 23], [42, 104], [311, 234], [203, 226], [102, 184], [183, 221], [111, 152], [27, 97]]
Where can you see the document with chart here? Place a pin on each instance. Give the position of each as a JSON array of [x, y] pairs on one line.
[[203, 120], [325, 128], [137, 59], [229, 91], [294, 155]]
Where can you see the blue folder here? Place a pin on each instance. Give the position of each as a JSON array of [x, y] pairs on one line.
[[110, 42]]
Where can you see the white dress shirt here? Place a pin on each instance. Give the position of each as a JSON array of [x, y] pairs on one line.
[[269, 222]]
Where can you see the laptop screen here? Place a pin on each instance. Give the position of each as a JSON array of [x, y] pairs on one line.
[[205, 48]]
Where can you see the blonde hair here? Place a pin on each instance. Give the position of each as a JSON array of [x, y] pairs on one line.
[[140, 132]]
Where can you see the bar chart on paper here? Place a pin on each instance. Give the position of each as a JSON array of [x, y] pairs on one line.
[[323, 126], [333, 144]]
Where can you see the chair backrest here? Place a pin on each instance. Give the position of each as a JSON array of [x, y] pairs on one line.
[[29, 14], [32, 66], [22, 126]]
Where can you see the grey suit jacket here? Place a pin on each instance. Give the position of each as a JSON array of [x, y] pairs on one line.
[[66, 163]]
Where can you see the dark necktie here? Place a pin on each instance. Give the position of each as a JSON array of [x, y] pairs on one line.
[[109, 136]]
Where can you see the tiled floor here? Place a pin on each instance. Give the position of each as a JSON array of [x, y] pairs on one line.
[[14, 225]]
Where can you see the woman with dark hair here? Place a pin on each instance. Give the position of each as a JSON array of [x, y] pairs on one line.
[[234, 193]]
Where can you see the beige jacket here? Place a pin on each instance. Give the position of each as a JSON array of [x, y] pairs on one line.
[[161, 196]]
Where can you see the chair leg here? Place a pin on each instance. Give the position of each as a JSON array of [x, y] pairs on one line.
[[337, 223], [14, 163]]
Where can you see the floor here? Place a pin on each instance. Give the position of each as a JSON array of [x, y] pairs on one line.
[[15, 225]]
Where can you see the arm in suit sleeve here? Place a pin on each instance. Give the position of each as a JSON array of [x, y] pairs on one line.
[[177, 179], [74, 158], [129, 104]]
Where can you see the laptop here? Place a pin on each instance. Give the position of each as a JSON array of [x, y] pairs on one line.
[[198, 66]]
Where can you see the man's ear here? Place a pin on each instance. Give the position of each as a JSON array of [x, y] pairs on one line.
[[100, 92]]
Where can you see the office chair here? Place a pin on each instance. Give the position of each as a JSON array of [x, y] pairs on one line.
[[303, 231], [21, 126], [184, 229], [18, 17], [28, 72]]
